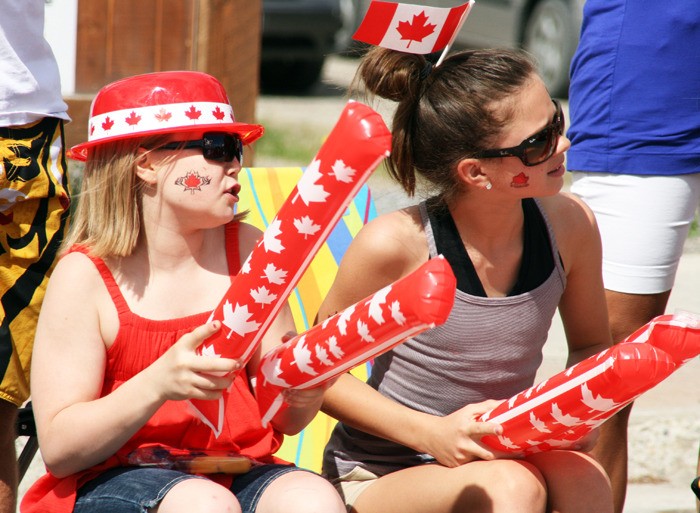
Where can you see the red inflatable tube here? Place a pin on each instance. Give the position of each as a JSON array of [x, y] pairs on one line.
[[413, 304], [355, 146], [562, 409]]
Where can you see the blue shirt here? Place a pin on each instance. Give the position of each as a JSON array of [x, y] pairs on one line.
[[634, 99]]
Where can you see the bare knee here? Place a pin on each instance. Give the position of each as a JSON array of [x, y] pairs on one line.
[[302, 492], [198, 496], [507, 486]]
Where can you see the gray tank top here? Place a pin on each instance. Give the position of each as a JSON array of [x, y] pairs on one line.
[[489, 348]]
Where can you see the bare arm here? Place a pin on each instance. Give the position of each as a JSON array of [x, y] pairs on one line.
[[383, 252], [583, 306], [68, 371]]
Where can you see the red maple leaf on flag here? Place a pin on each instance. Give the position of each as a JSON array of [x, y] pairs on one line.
[[107, 124], [218, 113], [193, 113], [163, 115], [417, 29], [133, 119]]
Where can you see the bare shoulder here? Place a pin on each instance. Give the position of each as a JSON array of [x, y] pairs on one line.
[[395, 239], [248, 237], [574, 225], [385, 250]]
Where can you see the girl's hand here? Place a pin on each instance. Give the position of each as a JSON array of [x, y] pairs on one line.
[[454, 439], [307, 398], [180, 373]]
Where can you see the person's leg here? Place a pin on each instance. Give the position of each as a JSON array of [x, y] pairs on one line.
[[642, 247], [8, 458], [301, 492], [501, 486], [156, 490], [576, 483]]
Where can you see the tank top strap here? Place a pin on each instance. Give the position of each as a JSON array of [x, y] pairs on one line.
[[107, 277], [427, 228], [232, 248]]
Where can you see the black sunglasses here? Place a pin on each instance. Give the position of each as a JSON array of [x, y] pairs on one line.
[[538, 147], [217, 146]]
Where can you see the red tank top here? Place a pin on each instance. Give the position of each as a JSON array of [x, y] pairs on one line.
[[139, 342]]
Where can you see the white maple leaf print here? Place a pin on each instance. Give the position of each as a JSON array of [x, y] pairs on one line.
[[322, 355], [342, 172], [538, 424], [209, 350], [598, 403], [306, 226], [334, 348], [507, 442], [237, 319], [270, 237], [245, 268], [343, 319], [396, 313], [271, 370], [564, 418], [307, 188], [274, 275], [375, 304], [363, 331], [302, 357], [262, 296]]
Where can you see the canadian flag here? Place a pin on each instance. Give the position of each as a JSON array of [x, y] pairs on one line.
[[411, 28]]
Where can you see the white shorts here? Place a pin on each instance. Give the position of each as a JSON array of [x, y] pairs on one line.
[[644, 222]]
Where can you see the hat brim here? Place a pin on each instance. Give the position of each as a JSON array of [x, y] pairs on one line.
[[247, 132]]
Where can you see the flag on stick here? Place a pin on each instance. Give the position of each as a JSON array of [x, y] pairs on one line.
[[411, 28]]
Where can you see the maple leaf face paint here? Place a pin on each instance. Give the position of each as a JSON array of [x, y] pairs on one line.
[[520, 180], [193, 181]]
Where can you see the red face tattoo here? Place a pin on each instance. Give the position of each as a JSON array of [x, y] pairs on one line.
[[193, 181], [520, 180]]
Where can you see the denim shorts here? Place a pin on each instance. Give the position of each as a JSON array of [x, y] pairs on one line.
[[136, 489]]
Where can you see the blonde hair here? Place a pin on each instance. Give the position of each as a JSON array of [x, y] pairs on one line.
[[107, 219]]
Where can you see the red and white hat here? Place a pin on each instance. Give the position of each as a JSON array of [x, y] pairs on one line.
[[160, 103]]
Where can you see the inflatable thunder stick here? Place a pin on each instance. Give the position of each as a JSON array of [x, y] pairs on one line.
[[564, 408], [413, 304], [355, 146]]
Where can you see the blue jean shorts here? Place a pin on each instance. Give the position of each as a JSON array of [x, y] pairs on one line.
[[137, 489]]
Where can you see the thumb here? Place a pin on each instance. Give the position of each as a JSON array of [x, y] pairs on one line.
[[200, 334]]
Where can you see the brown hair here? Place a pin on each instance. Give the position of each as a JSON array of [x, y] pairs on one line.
[[444, 113]]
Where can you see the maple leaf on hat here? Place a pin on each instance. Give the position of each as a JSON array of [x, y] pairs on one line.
[[218, 113], [417, 29], [306, 226], [193, 113], [133, 119], [107, 124], [163, 115]]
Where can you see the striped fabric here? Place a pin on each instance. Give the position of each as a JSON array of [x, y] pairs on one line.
[[263, 191]]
